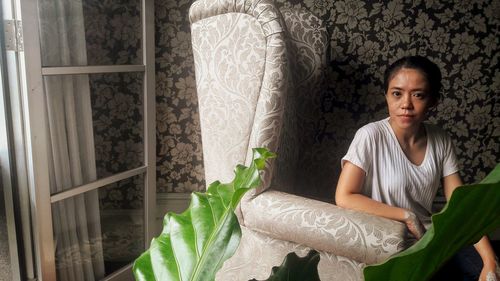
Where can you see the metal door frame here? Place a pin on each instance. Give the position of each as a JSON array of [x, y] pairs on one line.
[[35, 119]]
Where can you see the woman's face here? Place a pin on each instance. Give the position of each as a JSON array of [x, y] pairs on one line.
[[408, 98]]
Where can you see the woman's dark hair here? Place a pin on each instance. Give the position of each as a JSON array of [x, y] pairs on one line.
[[429, 69]]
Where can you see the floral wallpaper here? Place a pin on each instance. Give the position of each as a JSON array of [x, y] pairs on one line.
[[180, 160], [113, 36], [118, 135], [462, 37], [113, 31]]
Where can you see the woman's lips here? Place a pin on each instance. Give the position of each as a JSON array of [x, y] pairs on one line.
[[406, 117]]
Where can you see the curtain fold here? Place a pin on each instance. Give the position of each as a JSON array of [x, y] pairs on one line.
[[76, 220]]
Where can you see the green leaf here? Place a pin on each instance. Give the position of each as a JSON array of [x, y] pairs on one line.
[[472, 212], [194, 245], [294, 268]]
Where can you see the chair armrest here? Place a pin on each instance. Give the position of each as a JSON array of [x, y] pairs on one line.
[[323, 226]]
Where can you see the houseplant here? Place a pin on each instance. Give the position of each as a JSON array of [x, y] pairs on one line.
[[472, 212], [194, 244], [198, 257]]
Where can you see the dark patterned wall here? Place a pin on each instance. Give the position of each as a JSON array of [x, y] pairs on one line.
[[462, 37], [113, 36], [180, 160]]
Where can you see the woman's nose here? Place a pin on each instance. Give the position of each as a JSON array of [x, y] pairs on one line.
[[406, 102]]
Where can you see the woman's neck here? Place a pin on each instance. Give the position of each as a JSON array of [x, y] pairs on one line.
[[409, 136]]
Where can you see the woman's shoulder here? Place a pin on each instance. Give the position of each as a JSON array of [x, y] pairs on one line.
[[374, 129]]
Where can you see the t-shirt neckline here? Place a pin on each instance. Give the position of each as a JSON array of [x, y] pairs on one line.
[[394, 138]]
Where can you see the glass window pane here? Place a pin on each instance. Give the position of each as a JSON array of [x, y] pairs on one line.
[[117, 111], [100, 231], [90, 32], [95, 126]]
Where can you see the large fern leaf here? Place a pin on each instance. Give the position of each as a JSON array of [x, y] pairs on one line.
[[194, 244], [472, 211]]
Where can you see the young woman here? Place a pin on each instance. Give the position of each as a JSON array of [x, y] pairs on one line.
[[394, 166]]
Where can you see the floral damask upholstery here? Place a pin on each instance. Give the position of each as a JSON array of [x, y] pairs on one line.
[[258, 252], [240, 62], [348, 233], [255, 67]]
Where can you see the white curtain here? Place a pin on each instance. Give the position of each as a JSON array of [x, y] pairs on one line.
[[76, 221]]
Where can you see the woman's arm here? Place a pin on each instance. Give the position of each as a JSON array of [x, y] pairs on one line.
[[483, 247], [348, 195]]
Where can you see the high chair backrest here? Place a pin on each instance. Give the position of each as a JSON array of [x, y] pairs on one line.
[[254, 74]]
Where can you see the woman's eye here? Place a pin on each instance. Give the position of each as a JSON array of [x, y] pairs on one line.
[[419, 95], [396, 93]]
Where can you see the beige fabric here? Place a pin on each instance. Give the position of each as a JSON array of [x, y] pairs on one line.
[[269, 112], [241, 76], [228, 78], [306, 39], [258, 253], [254, 75], [308, 46], [264, 11], [323, 226]]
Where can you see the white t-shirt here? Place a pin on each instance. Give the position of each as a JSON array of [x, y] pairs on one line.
[[391, 177]]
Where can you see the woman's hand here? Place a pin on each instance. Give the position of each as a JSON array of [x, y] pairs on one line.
[[413, 224]]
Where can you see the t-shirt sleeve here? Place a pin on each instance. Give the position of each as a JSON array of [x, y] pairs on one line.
[[359, 151], [450, 161]]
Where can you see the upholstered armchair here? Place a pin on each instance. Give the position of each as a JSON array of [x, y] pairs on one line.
[[256, 67]]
